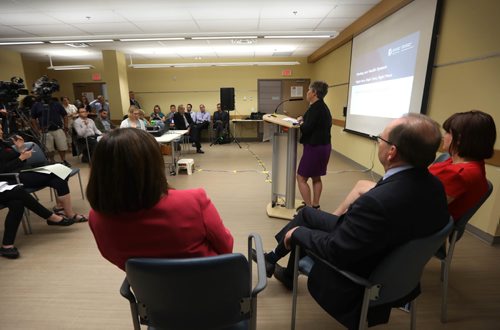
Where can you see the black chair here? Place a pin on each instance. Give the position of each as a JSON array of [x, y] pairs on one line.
[[446, 254], [195, 293], [393, 279]]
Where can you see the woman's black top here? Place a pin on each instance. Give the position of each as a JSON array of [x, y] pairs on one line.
[[9, 158], [317, 124]]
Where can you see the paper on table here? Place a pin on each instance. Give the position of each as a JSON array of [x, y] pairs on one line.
[[4, 186], [57, 169]]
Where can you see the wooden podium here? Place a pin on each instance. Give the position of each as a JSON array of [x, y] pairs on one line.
[[284, 167]]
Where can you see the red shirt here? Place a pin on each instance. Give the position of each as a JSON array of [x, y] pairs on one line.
[[182, 224], [465, 182]]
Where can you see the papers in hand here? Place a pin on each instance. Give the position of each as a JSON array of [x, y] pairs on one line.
[[4, 186], [293, 121], [57, 169]]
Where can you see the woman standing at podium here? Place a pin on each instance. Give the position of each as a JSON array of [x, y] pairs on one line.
[[315, 127]]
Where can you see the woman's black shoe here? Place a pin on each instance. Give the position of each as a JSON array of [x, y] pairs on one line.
[[10, 253], [64, 222]]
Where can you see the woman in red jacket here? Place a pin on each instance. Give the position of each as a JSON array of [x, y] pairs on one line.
[[134, 212]]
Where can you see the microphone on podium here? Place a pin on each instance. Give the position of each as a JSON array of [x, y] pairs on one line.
[[287, 100]]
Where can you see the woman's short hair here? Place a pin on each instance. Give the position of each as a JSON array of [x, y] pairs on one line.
[[320, 87], [473, 134], [132, 109], [127, 174]]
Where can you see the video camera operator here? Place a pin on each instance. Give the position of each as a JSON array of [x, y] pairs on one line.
[[9, 92], [49, 118]]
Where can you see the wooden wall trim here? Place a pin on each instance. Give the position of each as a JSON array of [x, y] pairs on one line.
[[339, 122], [370, 18], [495, 160]]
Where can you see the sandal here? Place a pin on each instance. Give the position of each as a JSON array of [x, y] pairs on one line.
[[58, 210], [81, 218]]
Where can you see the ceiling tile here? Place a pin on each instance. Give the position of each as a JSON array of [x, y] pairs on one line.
[[168, 27], [108, 28], [50, 30]]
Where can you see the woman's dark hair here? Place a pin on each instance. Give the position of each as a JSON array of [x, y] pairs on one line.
[[320, 87], [473, 134], [127, 173]]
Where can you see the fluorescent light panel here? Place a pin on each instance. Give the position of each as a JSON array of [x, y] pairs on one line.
[[197, 65], [224, 37], [70, 67], [298, 37], [20, 43], [151, 39], [77, 41]]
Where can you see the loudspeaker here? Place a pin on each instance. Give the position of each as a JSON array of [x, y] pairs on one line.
[[227, 98]]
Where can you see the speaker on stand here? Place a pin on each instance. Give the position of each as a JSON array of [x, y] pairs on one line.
[[227, 104]]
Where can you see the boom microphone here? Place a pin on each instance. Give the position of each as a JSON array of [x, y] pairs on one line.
[[287, 100]]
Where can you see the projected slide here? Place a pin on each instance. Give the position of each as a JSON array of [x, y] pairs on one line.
[[384, 79], [390, 68]]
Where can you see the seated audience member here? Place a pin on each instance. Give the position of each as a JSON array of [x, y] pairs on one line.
[[170, 116], [142, 117], [103, 123], [189, 110], [12, 161], [133, 119], [86, 129], [133, 101], [183, 121], [469, 138], [407, 204], [201, 121], [221, 122], [157, 114], [140, 216], [16, 200], [99, 104]]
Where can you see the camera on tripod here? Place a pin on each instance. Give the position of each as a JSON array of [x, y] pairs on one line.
[[10, 90], [44, 87]]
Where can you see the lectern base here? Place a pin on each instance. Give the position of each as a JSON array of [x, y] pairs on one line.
[[281, 212]]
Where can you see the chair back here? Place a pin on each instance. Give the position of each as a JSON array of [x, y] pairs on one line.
[[195, 293], [399, 273], [462, 222], [441, 158], [37, 158]]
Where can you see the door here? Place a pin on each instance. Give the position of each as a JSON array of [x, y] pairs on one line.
[[91, 90]]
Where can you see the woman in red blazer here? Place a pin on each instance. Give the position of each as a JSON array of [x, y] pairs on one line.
[[134, 212]]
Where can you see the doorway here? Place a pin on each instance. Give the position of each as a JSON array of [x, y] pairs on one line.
[[91, 90]]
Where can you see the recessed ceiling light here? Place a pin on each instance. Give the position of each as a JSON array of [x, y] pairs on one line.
[[224, 37], [298, 37], [151, 39]]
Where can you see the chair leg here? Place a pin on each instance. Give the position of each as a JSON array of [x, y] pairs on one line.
[[364, 310], [26, 223], [295, 285], [445, 269], [81, 187], [413, 314]]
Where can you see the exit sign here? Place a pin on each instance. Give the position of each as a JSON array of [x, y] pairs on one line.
[[96, 76], [286, 72]]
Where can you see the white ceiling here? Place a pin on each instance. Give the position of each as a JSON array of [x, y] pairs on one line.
[[44, 20]]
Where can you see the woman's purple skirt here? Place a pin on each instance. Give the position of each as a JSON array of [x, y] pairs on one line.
[[314, 160]]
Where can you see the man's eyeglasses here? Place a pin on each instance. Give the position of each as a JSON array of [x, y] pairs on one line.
[[379, 138]]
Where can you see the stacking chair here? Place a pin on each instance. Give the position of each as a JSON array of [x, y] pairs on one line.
[[393, 279], [38, 159], [81, 145], [196, 293], [445, 254]]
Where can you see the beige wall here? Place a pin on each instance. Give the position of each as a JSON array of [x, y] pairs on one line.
[[202, 85], [466, 76]]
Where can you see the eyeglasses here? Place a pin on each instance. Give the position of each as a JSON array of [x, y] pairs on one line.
[[379, 138]]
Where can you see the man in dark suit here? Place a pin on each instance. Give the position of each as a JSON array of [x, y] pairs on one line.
[[183, 121], [406, 204]]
